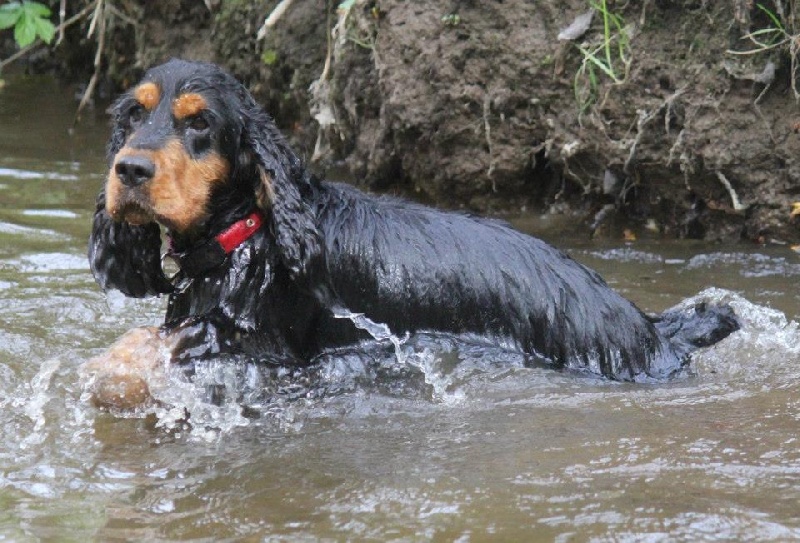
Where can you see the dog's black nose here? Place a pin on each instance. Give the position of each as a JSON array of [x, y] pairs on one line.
[[135, 170]]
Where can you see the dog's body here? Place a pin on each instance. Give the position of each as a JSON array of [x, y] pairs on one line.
[[200, 156]]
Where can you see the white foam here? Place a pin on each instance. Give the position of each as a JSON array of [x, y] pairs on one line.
[[425, 360], [34, 403]]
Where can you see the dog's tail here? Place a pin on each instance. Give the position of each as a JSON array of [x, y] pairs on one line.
[[693, 327]]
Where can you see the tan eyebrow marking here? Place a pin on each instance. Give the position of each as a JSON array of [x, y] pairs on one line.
[[188, 104], [147, 94]]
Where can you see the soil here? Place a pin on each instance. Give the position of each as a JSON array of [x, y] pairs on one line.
[[479, 105]]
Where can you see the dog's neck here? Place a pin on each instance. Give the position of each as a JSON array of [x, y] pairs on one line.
[[234, 218], [202, 258], [227, 207]]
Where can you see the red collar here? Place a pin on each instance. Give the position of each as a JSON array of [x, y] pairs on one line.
[[207, 256], [239, 232]]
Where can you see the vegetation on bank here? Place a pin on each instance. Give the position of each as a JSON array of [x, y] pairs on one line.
[[29, 21]]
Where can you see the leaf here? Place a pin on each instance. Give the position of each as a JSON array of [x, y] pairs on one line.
[[7, 20], [25, 31], [595, 61], [772, 17], [29, 19], [45, 30], [269, 57], [9, 14], [11, 6], [36, 10]]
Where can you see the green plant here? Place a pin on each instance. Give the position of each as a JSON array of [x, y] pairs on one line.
[[451, 19], [269, 57], [29, 20], [781, 34], [611, 57], [775, 34]]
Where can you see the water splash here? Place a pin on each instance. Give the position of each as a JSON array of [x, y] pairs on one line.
[[33, 401], [210, 398], [378, 330], [425, 361], [766, 349]]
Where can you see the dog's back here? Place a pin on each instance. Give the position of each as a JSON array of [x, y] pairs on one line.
[[416, 268]]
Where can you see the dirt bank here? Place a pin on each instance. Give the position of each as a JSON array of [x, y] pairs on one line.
[[481, 105], [476, 104]]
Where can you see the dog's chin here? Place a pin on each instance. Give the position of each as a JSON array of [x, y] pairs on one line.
[[134, 214]]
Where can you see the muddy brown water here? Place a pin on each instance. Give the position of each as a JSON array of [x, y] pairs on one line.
[[486, 450]]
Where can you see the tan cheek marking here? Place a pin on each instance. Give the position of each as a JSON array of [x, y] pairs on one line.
[[147, 94], [113, 189], [188, 104], [181, 189]]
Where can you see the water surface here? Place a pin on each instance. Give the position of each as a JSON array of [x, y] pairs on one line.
[[459, 444]]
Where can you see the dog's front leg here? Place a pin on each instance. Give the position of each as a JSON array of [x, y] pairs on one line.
[[125, 376], [203, 337], [122, 377]]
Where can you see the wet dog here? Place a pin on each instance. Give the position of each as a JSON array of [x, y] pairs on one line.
[[268, 254]]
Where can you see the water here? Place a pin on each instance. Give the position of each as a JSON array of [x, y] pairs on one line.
[[424, 439]]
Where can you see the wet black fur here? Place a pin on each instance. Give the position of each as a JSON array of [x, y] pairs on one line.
[[327, 247]]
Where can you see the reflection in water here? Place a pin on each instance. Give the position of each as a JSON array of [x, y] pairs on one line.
[[12, 173], [414, 438]]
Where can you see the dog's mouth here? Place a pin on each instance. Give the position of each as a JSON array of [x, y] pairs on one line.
[[133, 213]]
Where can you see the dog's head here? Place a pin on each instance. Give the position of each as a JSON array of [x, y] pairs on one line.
[[188, 144]]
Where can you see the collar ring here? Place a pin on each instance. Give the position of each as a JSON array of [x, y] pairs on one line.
[[170, 271]]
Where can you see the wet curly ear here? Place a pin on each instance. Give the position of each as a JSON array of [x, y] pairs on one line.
[[284, 189], [126, 257]]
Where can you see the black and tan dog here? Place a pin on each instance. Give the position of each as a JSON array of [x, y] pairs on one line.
[[267, 253]]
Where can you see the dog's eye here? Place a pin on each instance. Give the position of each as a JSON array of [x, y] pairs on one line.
[[136, 115], [198, 123]]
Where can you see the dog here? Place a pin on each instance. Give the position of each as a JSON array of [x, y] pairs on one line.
[[269, 255]]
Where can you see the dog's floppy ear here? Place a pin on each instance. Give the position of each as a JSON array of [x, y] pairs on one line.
[[284, 189], [126, 257]]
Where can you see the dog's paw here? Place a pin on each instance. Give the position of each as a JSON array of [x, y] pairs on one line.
[[122, 377]]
